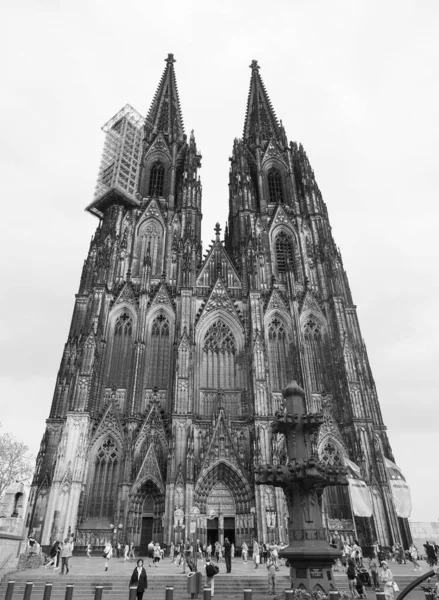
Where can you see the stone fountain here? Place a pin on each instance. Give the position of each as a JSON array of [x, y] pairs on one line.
[[303, 480]]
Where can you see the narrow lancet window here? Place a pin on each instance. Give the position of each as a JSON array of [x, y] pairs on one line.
[[160, 353], [275, 189], [121, 352], [156, 180], [284, 253]]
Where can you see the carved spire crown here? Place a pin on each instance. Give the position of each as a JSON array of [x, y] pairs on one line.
[[165, 112], [261, 123]]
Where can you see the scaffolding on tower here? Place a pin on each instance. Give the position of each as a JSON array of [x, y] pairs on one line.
[[121, 158]]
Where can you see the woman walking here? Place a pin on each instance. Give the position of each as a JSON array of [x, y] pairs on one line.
[[414, 555], [157, 554], [244, 551], [256, 557], [387, 579], [108, 553], [53, 555], [351, 573], [139, 579], [88, 550], [172, 552]]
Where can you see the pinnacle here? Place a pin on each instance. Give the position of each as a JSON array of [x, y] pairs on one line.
[[165, 111], [261, 122]]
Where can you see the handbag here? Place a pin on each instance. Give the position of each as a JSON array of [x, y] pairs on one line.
[[395, 586]]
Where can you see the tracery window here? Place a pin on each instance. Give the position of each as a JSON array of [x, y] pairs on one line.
[[275, 189], [103, 487], [284, 253], [156, 180], [278, 355], [219, 352], [121, 352], [160, 353], [336, 497], [149, 248], [314, 356]]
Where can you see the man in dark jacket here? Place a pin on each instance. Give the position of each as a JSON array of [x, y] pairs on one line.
[[139, 579], [228, 555]]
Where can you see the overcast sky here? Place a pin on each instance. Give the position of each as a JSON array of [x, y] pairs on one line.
[[357, 83]]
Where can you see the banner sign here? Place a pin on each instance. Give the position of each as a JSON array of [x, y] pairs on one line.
[[400, 490], [360, 498]]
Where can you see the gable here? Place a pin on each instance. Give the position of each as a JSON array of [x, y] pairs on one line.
[[149, 471], [219, 299], [110, 424], [162, 298], [217, 263]]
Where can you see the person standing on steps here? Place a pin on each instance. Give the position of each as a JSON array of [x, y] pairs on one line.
[[88, 550], [151, 547], [132, 555], [244, 551], [211, 571], [172, 552], [256, 557], [271, 568], [126, 552], [108, 553], [228, 555], [140, 579], [53, 554], [66, 553]]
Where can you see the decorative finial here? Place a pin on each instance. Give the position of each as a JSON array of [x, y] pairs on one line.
[[170, 60], [217, 231], [254, 66]]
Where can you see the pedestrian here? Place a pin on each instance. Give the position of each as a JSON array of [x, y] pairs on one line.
[[108, 553], [89, 549], [126, 552], [131, 554], [66, 553], [172, 552], [151, 547], [256, 557], [118, 549], [139, 579], [53, 555], [211, 571], [431, 554], [157, 554], [271, 568], [387, 579], [187, 555], [414, 556], [233, 550], [244, 552], [373, 566], [209, 551], [217, 551], [351, 573], [228, 555]]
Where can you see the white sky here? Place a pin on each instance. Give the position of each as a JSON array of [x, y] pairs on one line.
[[357, 82]]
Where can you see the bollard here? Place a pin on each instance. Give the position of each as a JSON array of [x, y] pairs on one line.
[[133, 592], [10, 590], [289, 594], [98, 592], [169, 593], [28, 590], [207, 594], [47, 590], [333, 595], [380, 596], [69, 591], [247, 594]]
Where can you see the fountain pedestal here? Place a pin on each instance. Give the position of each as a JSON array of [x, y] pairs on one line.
[[303, 480]]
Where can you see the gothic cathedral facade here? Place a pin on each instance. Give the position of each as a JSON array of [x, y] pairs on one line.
[[175, 361]]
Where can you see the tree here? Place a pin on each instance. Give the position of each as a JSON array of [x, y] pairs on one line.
[[16, 465]]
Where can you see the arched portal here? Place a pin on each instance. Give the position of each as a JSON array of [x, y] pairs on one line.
[[224, 496], [145, 523]]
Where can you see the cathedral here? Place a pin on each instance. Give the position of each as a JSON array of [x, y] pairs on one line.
[[176, 357]]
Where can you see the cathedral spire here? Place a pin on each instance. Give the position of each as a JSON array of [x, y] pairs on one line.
[[165, 112], [261, 122]]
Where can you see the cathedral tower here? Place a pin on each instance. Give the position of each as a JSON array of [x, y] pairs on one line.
[[175, 361]]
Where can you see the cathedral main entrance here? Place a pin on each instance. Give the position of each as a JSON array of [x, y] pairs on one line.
[[221, 512]]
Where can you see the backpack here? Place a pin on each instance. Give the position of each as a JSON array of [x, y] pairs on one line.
[[210, 570], [216, 567]]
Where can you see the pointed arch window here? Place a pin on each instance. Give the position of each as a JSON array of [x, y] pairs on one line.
[[103, 486], [219, 354], [278, 355], [314, 356], [121, 352], [284, 253], [275, 188], [336, 497], [160, 353], [156, 180]]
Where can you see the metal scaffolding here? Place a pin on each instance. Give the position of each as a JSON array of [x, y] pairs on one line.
[[120, 163]]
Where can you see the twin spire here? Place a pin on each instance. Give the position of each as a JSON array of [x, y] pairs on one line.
[[165, 115]]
